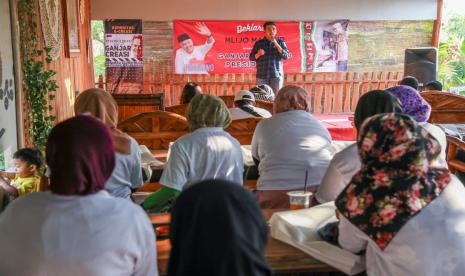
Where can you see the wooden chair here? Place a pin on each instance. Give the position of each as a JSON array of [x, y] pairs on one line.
[[445, 107], [179, 109], [228, 100], [155, 129], [132, 104], [243, 129], [44, 184], [265, 105], [453, 146]]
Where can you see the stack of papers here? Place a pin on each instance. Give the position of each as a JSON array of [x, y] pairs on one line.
[[456, 130], [299, 228]]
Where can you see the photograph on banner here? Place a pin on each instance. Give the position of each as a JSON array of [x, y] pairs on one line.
[[332, 46], [216, 47], [123, 55]]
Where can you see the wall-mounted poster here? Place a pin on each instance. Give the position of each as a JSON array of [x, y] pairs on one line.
[[123, 56], [209, 47], [332, 44], [8, 130]]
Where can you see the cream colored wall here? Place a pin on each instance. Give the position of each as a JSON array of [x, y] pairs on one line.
[[293, 10], [8, 95]]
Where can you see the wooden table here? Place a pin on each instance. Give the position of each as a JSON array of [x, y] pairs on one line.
[[282, 257]]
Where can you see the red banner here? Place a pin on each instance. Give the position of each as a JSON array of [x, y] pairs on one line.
[[232, 42], [203, 47]]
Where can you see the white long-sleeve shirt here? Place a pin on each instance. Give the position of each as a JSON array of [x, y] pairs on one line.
[[430, 244], [49, 234]]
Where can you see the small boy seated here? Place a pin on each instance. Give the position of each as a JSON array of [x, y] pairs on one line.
[[28, 162]]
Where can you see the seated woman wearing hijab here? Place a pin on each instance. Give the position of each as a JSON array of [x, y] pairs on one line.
[[287, 145], [217, 228], [263, 92], [127, 175], [346, 162], [208, 152], [414, 105], [76, 227], [244, 102], [406, 213], [189, 91]]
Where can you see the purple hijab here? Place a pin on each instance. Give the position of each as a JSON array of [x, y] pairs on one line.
[[412, 103], [81, 156]]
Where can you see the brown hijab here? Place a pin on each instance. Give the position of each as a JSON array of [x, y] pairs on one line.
[[292, 97], [101, 105]]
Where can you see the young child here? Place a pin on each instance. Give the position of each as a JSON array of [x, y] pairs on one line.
[[28, 162]]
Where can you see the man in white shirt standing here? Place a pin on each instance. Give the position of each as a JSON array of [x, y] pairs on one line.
[[189, 58]]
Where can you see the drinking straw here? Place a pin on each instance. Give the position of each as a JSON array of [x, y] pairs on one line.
[[305, 185]]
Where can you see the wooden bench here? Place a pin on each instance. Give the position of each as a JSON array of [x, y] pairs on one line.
[[446, 108], [243, 129], [155, 129], [133, 104], [179, 109]]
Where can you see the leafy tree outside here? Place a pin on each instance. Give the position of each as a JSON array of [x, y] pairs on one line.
[[98, 47], [451, 69]]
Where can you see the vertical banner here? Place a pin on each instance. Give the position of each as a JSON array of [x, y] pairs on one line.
[[332, 46], [8, 124], [123, 56], [209, 47]]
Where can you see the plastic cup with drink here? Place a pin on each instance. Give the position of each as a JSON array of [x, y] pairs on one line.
[[300, 199]]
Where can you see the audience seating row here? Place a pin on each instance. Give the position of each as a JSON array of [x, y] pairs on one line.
[[157, 129]]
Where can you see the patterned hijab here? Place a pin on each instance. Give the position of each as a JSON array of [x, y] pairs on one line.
[[396, 179], [217, 228], [80, 155], [292, 97], [206, 110], [263, 92], [101, 105], [412, 103]]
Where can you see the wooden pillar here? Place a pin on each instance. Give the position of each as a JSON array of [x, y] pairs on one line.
[[437, 24]]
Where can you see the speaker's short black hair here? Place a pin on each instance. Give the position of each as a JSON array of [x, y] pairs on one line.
[[434, 85], [188, 92], [268, 23], [29, 155], [183, 37], [410, 81]]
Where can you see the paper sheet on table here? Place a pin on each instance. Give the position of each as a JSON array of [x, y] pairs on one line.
[[456, 130], [299, 228], [147, 158]]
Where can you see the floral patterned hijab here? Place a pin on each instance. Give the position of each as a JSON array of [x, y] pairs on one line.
[[396, 179]]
